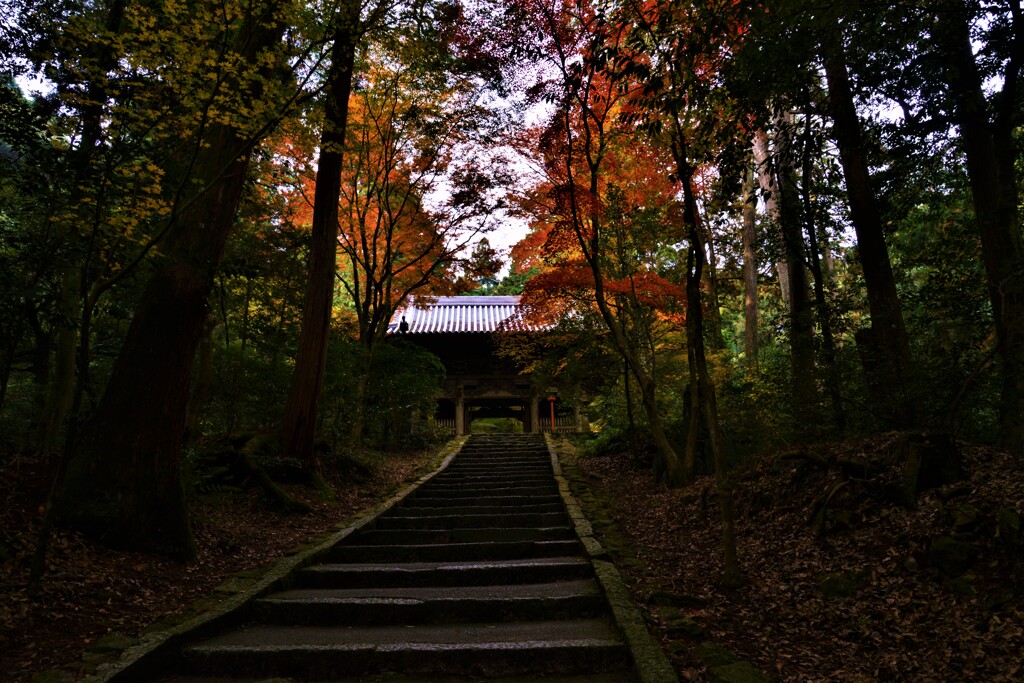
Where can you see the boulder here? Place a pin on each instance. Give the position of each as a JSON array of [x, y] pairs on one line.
[[1008, 528], [950, 556], [739, 672], [677, 623], [715, 655], [112, 643], [913, 462]]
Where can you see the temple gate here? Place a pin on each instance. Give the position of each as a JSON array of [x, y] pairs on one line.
[[461, 331]]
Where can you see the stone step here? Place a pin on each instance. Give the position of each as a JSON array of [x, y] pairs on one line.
[[452, 573], [457, 492], [476, 575], [541, 468], [413, 509], [611, 677], [487, 501], [437, 552], [499, 454], [470, 521], [470, 535], [488, 485], [433, 604], [478, 480], [535, 648]]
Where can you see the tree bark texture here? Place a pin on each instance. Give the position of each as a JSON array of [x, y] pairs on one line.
[[62, 385], [123, 481], [202, 385], [749, 270], [988, 144], [786, 216], [834, 384], [892, 369], [766, 179], [709, 281], [298, 426], [731, 573]]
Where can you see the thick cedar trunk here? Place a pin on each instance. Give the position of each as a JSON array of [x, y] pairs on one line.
[[991, 153], [749, 271], [672, 471], [123, 479], [298, 427], [41, 367], [892, 367], [202, 385], [123, 482]]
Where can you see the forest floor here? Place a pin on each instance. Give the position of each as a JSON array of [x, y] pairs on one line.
[[877, 592], [91, 592], [883, 593]]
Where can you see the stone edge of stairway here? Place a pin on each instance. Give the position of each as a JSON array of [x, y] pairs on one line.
[[155, 649], [650, 664]]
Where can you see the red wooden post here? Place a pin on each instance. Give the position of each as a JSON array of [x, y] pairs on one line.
[[551, 399]]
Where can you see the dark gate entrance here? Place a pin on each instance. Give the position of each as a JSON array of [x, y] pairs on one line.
[[461, 331]]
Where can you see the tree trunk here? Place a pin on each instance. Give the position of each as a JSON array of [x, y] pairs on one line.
[[749, 271], [709, 281], [203, 383], [359, 399], [62, 387], [123, 479], [298, 427], [989, 146], [673, 474], [766, 179], [828, 346], [631, 421], [784, 210], [801, 313], [731, 574], [693, 423], [889, 335]]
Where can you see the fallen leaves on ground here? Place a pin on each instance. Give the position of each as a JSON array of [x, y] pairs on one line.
[[90, 591], [898, 620]]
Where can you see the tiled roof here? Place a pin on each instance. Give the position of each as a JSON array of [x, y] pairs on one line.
[[460, 314]]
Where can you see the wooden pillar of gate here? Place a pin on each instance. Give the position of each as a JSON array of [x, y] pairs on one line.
[[534, 416], [460, 415]]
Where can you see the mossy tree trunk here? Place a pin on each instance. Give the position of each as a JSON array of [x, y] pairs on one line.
[[123, 481]]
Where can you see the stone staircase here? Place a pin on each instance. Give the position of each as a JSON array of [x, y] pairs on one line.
[[477, 574]]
